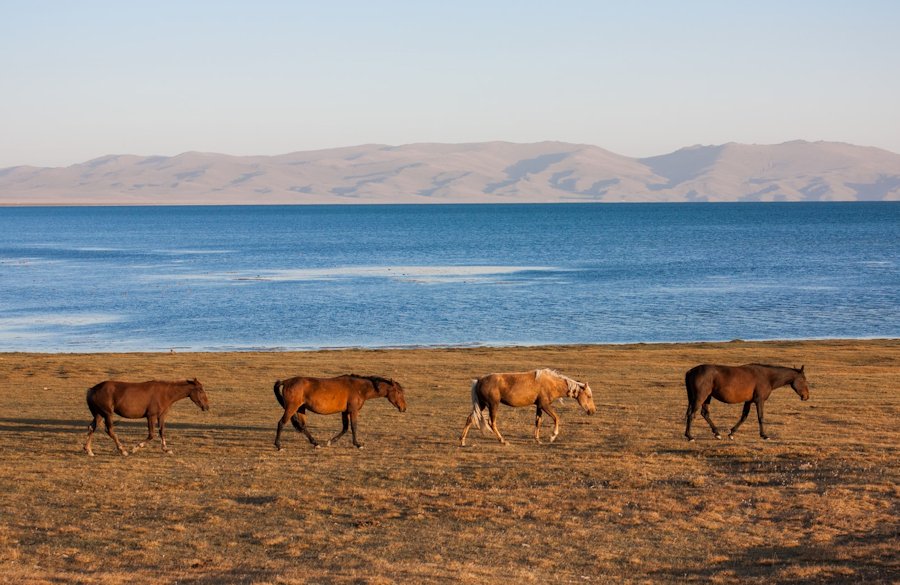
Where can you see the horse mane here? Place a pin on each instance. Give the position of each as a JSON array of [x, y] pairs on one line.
[[573, 386], [375, 380], [771, 367], [546, 372]]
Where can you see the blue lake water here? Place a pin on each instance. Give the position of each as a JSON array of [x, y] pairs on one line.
[[259, 277]]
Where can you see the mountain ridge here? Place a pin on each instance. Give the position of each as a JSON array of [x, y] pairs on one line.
[[475, 172]]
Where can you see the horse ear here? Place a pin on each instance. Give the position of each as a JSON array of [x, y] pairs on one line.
[[801, 369]]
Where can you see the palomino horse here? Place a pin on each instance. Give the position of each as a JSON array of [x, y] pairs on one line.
[[537, 387], [150, 400], [344, 394], [750, 384]]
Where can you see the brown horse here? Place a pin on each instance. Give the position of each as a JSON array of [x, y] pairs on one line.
[[750, 384], [344, 394], [537, 387], [150, 400]]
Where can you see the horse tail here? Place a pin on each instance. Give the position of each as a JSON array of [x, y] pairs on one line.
[[477, 408], [690, 384], [696, 381], [279, 392], [92, 399]]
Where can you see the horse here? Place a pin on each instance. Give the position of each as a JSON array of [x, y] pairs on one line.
[[150, 400], [750, 384], [345, 394], [538, 387]]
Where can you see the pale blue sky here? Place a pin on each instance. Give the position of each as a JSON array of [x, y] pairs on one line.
[[83, 79]]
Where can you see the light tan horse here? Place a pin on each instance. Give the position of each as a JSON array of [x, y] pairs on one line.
[[537, 387], [150, 400]]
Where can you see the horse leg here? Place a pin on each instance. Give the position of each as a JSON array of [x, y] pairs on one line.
[[91, 428], [689, 417], [759, 415], [691, 413], [345, 421], [353, 414], [299, 422], [151, 425], [281, 422], [107, 420], [492, 420], [537, 424], [162, 436], [549, 410], [743, 418], [469, 422], [704, 411]]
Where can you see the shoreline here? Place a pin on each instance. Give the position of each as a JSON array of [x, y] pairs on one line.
[[494, 347], [60, 204]]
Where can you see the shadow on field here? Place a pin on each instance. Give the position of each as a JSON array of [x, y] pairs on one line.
[[237, 575], [859, 558], [44, 425]]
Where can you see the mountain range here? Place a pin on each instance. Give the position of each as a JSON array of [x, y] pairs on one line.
[[485, 172]]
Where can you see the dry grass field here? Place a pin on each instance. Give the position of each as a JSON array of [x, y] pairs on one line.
[[620, 497]]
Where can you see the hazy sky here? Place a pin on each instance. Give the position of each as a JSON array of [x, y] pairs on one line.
[[83, 79]]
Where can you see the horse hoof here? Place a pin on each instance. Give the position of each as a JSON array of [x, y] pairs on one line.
[[167, 451], [359, 446], [90, 453], [328, 443], [765, 438], [124, 453], [718, 437], [690, 439], [730, 436]]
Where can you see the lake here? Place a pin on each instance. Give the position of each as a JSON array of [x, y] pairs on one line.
[[79, 279]]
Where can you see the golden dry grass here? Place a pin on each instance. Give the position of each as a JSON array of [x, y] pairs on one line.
[[620, 497]]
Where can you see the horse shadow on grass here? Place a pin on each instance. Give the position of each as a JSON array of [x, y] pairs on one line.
[[67, 426], [867, 557]]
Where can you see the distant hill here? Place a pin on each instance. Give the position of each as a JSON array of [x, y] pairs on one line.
[[462, 173]]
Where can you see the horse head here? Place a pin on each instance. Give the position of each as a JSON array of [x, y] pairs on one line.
[[198, 394], [586, 398], [395, 396], [799, 384]]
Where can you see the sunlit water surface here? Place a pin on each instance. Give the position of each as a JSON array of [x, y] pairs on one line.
[[159, 278]]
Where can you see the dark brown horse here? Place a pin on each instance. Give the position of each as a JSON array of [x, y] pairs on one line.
[[150, 400], [750, 384], [539, 388], [344, 394]]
